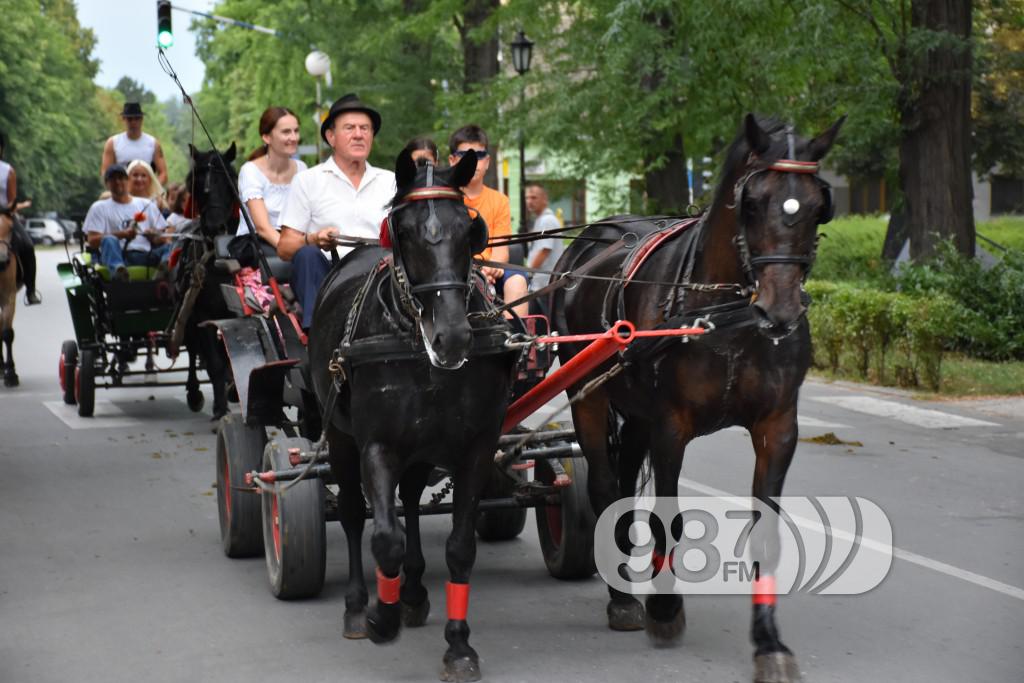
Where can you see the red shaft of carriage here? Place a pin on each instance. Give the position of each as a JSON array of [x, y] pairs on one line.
[[602, 346]]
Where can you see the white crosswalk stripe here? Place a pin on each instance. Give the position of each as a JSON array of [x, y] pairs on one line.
[[919, 417], [105, 415]]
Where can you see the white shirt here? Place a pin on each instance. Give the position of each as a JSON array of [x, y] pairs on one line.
[[323, 197], [252, 184], [5, 173], [127, 150], [107, 216], [545, 221]]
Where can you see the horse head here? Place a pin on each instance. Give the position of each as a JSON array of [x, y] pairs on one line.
[[212, 181], [433, 238], [779, 202]]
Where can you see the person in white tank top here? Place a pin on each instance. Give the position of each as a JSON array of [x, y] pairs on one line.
[[133, 144]]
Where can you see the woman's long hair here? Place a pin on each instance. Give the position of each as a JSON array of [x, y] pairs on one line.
[[156, 190], [269, 119]]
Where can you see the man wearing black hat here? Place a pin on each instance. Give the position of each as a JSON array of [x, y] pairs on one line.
[[133, 144], [122, 218], [344, 195]]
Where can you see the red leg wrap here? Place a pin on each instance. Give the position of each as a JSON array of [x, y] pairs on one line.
[[388, 589], [764, 590], [458, 600]]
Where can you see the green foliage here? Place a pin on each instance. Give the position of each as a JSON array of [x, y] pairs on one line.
[[48, 106], [852, 250], [861, 327]]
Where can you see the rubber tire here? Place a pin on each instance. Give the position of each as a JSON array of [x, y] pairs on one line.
[[570, 553], [239, 450], [68, 363], [297, 558], [85, 383], [500, 525], [195, 400], [48, 241]]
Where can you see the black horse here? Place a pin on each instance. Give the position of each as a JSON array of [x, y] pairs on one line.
[[742, 267], [411, 379], [212, 182]]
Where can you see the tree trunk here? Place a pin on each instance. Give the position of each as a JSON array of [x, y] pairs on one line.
[[480, 60], [668, 190], [935, 154]]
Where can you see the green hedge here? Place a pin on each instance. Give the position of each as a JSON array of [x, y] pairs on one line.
[[873, 330]]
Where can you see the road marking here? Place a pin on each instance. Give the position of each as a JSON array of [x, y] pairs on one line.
[[105, 415], [920, 417], [905, 555]]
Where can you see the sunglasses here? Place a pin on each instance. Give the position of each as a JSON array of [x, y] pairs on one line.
[[480, 153]]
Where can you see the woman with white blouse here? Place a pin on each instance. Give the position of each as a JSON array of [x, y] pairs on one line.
[[264, 179]]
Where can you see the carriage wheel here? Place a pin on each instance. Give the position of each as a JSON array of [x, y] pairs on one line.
[[566, 531], [239, 450], [85, 383], [501, 525], [66, 370], [294, 532]]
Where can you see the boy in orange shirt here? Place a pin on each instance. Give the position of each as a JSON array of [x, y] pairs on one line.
[[509, 283]]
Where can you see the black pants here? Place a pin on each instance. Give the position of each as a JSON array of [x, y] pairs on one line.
[[22, 243]]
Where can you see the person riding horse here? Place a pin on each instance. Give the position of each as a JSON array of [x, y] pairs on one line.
[[21, 240]]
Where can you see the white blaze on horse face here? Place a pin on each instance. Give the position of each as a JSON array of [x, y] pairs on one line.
[[791, 206]]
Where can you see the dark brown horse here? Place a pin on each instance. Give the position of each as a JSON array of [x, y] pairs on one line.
[[756, 243], [10, 282]]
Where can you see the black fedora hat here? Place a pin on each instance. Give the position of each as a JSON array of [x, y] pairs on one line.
[[132, 109], [346, 103]]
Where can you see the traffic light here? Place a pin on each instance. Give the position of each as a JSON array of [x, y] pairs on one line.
[[164, 35]]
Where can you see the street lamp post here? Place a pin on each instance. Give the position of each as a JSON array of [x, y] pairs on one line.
[[318, 64], [522, 54]]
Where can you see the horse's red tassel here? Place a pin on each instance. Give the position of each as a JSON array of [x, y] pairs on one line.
[[458, 600], [388, 589], [764, 590], [385, 234]]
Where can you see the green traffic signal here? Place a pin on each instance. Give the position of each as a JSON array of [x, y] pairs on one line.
[[164, 35]]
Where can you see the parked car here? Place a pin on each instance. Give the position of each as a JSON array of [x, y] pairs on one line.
[[46, 230]]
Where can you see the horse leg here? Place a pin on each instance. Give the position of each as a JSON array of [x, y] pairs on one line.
[[344, 459], [590, 418], [380, 474], [192, 347], [666, 617], [461, 662], [216, 370], [774, 440], [7, 336], [415, 605]]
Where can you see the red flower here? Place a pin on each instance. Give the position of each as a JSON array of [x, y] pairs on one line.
[[140, 216]]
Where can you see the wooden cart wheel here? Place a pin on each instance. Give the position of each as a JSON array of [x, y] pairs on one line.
[[294, 532], [66, 370], [566, 531], [501, 525], [239, 450], [85, 383]]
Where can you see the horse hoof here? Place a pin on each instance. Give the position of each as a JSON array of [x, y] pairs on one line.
[[415, 615], [460, 670], [11, 381], [625, 616], [355, 626], [666, 633], [384, 623], [776, 667]]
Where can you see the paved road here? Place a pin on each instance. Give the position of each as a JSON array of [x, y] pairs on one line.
[[111, 570]]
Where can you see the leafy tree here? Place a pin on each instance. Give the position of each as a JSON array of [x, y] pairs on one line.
[[999, 87], [133, 91]]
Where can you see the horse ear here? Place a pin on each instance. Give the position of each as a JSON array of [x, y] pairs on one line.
[[819, 146], [758, 140], [229, 156], [405, 169], [464, 171]]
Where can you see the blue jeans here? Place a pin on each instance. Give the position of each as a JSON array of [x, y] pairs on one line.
[[309, 268], [112, 257]]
